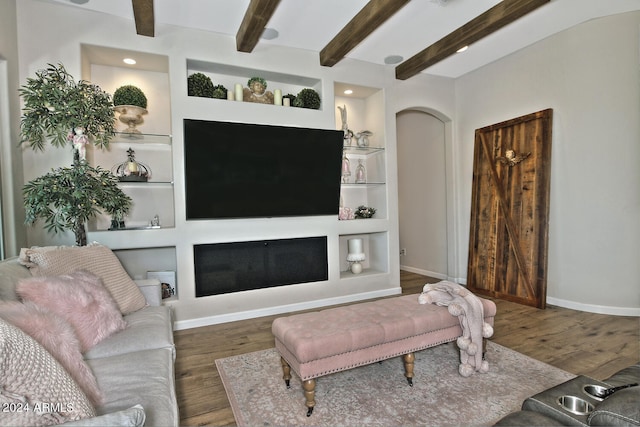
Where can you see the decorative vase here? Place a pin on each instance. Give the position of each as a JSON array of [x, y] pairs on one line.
[[131, 115], [346, 169], [361, 174]]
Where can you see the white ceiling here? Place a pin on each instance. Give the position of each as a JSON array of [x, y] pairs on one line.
[[311, 24]]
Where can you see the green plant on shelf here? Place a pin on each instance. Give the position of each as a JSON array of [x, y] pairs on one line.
[[199, 84], [307, 98], [364, 212], [129, 95]]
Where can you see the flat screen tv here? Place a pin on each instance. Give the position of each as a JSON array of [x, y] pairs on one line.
[[240, 170]]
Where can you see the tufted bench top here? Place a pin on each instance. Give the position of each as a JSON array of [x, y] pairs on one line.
[[309, 337]]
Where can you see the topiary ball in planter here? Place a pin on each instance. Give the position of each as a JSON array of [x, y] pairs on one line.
[[131, 103], [129, 95], [220, 92], [307, 98], [199, 84]]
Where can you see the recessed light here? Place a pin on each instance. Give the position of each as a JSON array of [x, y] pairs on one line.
[[393, 59], [269, 34], [462, 49], [79, 1], [129, 61], [348, 92]]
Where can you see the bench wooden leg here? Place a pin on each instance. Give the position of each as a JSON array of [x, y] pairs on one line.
[[286, 372], [408, 367], [309, 387]]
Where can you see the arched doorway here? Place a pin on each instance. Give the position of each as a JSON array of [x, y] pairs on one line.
[[422, 193]]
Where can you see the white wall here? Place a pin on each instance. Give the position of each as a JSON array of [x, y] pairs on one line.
[[435, 95], [589, 75], [14, 233], [422, 208]]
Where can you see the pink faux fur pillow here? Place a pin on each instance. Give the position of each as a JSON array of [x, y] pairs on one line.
[[80, 299], [58, 338]]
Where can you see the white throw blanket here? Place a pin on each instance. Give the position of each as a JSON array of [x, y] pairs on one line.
[[470, 312]]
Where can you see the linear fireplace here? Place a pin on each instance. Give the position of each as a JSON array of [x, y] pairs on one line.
[[240, 266]]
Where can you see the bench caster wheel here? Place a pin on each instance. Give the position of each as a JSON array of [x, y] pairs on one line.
[[309, 387], [409, 360], [286, 372]]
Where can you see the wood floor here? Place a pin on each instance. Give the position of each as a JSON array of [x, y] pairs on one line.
[[582, 343]]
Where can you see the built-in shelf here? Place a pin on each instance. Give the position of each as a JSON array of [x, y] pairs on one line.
[[229, 75], [150, 198], [364, 110], [362, 185], [143, 248], [346, 275], [376, 248], [145, 184], [139, 262], [140, 138], [363, 151], [148, 227]]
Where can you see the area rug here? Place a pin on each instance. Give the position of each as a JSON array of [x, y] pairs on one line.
[[378, 394]]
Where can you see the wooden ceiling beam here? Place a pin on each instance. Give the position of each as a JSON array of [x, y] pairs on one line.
[[374, 14], [144, 17], [490, 21], [255, 19]]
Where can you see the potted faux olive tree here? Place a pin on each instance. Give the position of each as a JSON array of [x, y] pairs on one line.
[[64, 112], [131, 103]]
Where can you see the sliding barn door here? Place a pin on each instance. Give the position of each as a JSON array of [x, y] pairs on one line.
[[510, 210]]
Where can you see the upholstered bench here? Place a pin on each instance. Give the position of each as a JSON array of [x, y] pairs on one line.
[[336, 339]]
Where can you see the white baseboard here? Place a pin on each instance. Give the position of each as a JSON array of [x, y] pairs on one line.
[[592, 308], [289, 308], [440, 276], [424, 272]]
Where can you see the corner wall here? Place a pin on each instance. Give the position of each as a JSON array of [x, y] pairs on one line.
[[589, 75]]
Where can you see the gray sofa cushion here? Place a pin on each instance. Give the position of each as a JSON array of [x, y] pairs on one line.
[[10, 274], [143, 377], [628, 375], [131, 417], [620, 409], [149, 328], [527, 419]]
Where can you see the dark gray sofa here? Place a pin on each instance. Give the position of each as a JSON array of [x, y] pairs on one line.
[[621, 408]]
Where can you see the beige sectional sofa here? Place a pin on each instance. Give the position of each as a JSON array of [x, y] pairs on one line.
[[133, 362]]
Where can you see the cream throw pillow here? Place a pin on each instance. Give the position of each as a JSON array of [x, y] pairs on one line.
[[95, 258], [34, 388]]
